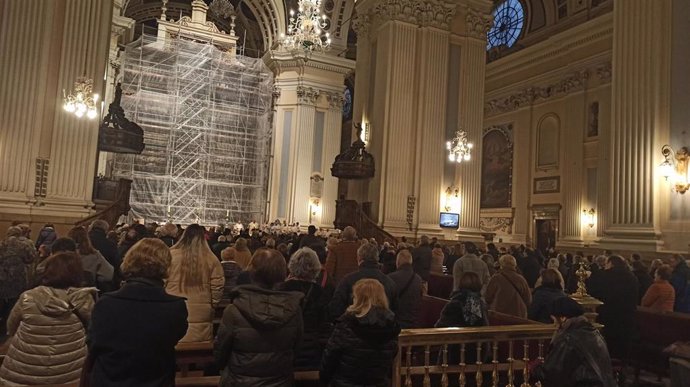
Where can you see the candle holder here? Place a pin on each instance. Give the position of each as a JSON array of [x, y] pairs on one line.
[[582, 274]]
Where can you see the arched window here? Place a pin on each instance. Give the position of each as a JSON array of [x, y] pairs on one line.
[[509, 17]]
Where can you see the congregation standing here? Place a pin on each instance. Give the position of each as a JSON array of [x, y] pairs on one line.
[[332, 303]]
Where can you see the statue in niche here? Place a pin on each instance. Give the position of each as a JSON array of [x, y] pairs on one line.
[[593, 124]]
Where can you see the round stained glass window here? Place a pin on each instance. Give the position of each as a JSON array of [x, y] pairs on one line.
[[509, 18]]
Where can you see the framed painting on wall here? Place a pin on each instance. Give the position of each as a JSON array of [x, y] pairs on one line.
[[497, 167], [543, 185]]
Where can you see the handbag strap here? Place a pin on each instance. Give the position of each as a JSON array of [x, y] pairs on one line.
[[514, 287], [407, 286]]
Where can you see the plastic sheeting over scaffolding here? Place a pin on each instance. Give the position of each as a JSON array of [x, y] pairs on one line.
[[206, 117]]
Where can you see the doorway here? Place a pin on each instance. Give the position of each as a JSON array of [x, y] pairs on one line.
[[546, 233]]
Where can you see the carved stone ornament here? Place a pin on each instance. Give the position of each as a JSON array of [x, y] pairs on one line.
[[424, 13], [571, 83], [495, 224], [307, 94], [361, 24], [604, 73], [478, 23], [335, 101]]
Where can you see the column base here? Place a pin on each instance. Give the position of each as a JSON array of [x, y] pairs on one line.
[[631, 239], [470, 235]]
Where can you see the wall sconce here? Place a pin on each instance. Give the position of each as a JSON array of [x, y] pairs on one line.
[[675, 168], [588, 217], [314, 209], [452, 199]]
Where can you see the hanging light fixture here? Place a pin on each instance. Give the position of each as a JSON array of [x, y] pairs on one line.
[[459, 148], [82, 102], [306, 28]]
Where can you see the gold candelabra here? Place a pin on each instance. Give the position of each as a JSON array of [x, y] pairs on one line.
[[582, 274]]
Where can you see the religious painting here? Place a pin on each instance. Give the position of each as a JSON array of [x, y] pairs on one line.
[[544, 185], [547, 142], [497, 167]]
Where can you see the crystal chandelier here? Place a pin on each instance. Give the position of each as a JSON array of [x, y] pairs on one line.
[[306, 27], [82, 102], [459, 148]]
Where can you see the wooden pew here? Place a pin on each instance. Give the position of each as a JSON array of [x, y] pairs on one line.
[[657, 331], [198, 355]]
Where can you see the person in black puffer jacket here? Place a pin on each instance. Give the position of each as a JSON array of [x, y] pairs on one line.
[[577, 355], [304, 266], [261, 329], [364, 343]]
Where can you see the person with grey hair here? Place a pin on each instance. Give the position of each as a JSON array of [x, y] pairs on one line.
[[303, 268], [507, 291], [409, 286], [367, 259]]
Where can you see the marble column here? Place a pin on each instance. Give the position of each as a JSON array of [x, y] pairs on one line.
[[304, 138], [331, 148], [431, 125], [640, 112], [471, 119]]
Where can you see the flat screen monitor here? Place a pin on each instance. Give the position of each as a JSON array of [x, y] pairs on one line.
[[449, 220]]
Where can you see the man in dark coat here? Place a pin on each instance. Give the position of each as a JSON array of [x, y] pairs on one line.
[[577, 356], [409, 287], [221, 245], [367, 257], [620, 302], [529, 267], [314, 242], [98, 232], [421, 258], [133, 331], [680, 280]]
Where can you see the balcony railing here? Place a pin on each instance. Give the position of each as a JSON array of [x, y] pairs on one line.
[[499, 355]]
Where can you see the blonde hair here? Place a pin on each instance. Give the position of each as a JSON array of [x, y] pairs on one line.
[[193, 247], [148, 258], [366, 294]]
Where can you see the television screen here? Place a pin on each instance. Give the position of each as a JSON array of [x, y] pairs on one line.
[[449, 220]]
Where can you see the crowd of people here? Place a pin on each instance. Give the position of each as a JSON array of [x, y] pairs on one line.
[[82, 306]]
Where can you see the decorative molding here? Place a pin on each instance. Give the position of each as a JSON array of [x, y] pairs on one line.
[[423, 13], [506, 129], [411, 202], [495, 224], [478, 23], [572, 82], [604, 72], [335, 101], [361, 24], [307, 95]]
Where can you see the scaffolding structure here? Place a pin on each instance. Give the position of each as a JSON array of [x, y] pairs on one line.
[[206, 117]]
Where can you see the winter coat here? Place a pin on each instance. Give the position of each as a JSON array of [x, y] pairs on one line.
[[542, 299], [660, 296], [680, 280], [168, 240], [618, 312], [200, 299], [508, 292], [49, 343], [465, 309], [133, 334], [644, 281], [387, 260], [470, 263], [342, 260], [97, 271], [577, 358], [242, 257], [409, 287], [361, 350], [530, 268], [15, 257], [231, 270], [421, 261], [342, 297], [257, 338], [108, 249], [314, 307], [46, 237]]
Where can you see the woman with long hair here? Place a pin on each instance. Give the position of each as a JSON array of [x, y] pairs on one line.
[[196, 274], [98, 271], [364, 342], [240, 253]]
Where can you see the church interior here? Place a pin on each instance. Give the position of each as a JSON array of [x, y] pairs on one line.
[[556, 125], [575, 110]]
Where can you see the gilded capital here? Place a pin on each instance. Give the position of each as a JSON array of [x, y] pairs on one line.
[[478, 23]]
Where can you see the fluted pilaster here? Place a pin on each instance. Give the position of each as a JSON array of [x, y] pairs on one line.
[[431, 125], [571, 137], [472, 68], [640, 92], [331, 148], [304, 132]]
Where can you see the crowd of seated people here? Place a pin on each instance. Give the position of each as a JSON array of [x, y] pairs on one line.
[[292, 302]]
